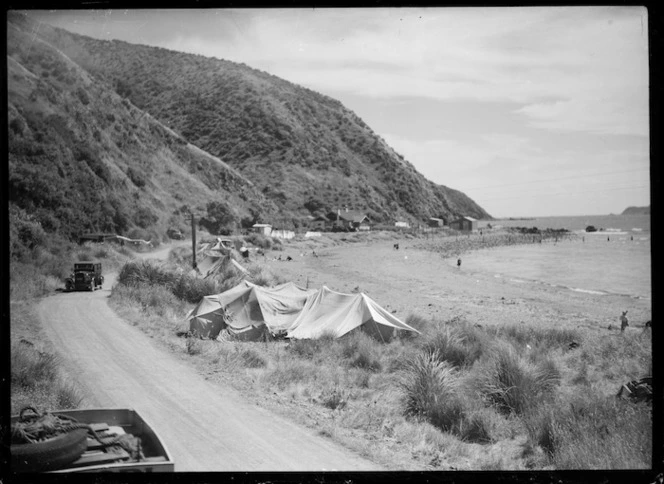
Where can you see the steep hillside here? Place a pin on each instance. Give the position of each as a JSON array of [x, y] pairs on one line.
[[301, 149], [82, 157]]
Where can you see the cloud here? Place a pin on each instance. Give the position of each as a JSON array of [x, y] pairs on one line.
[[592, 61]]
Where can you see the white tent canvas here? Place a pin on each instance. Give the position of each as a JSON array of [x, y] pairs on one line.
[[247, 310], [331, 312], [248, 305]]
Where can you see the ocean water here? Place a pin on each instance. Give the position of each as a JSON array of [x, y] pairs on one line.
[[615, 261]]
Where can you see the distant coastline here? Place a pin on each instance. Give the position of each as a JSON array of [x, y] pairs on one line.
[[637, 211]]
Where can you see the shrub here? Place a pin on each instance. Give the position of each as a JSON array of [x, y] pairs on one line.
[[449, 345], [68, 395], [260, 240], [512, 385], [592, 431], [430, 388], [308, 348], [194, 346], [29, 367], [540, 337], [334, 398], [252, 359], [359, 350], [193, 289], [414, 321], [476, 427]]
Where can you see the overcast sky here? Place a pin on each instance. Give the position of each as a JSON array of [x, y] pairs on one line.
[[530, 111]]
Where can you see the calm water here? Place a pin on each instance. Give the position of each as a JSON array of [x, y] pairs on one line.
[[620, 265]]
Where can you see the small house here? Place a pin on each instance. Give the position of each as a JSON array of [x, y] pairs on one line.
[[265, 229], [349, 220], [402, 225], [436, 222], [320, 223], [464, 224]]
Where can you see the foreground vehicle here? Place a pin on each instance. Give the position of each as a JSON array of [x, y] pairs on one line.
[[86, 277], [96, 440]]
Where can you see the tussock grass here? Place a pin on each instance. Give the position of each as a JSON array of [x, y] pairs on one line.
[[449, 345], [430, 388], [536, 337], [252, 359], [37, 380], [29, 367], [592, 431], [360, 351], [308, 348], [514, 385]]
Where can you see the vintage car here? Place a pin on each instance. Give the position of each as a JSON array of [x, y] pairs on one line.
[[86, 277]]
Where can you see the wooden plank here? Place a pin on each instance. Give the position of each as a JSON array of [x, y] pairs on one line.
[[100, 457], [99, 427], [158, 458]]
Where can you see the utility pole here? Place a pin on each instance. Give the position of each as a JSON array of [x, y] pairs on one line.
[[193, 240]]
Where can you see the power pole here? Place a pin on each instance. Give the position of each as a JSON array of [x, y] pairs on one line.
[[193, 240]]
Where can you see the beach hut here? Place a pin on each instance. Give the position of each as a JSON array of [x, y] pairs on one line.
[[464, 224]]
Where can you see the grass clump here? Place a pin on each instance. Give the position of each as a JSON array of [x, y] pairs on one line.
[[513, 385], [29, 367], [450, 346], [523, 335], [37, 381], [252, 358], [592, 431], [430, 387], [359, 351]]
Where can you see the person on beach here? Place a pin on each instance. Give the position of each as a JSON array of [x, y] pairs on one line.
[[459, 263], [623, 321]]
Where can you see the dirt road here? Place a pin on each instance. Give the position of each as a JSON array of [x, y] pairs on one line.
[[204, 428]]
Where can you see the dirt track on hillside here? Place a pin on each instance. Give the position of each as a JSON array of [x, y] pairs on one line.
[[204, 427]]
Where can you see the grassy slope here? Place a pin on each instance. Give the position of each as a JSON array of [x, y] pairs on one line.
[[293, 143], [83, 158]]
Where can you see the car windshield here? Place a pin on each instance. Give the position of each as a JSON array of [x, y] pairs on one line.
[[84, 267]]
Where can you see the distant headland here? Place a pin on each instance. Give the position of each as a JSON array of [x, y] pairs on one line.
[[637, 211]]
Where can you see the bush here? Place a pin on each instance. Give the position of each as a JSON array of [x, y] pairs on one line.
[[29, 366], [260, 240], [592, 431], [450, 346], [308, 348], [194, 346], [513, 385], [359, 351], [252, 359], [430, 388], [536, 337]]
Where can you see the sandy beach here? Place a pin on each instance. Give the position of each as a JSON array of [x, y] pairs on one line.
[[418, 282]]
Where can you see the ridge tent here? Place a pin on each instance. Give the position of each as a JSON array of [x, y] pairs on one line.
[[207, 318], [249, 310], [211, 257], [331, 312]]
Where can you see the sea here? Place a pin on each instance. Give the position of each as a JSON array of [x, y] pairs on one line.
[[615, 260]]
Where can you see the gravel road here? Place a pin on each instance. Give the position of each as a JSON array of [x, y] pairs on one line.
[[205, 427]]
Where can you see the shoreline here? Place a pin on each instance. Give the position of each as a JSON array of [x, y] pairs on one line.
[[414, 281]]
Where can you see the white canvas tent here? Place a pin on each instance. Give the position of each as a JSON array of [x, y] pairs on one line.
[[211, 257], [331, 312], [247, 310]]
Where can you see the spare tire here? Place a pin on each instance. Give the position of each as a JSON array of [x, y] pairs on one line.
[[51, 454]]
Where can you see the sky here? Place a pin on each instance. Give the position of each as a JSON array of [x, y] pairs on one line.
[[530, 111]]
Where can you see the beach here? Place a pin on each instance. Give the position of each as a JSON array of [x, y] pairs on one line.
[[415, 281]]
